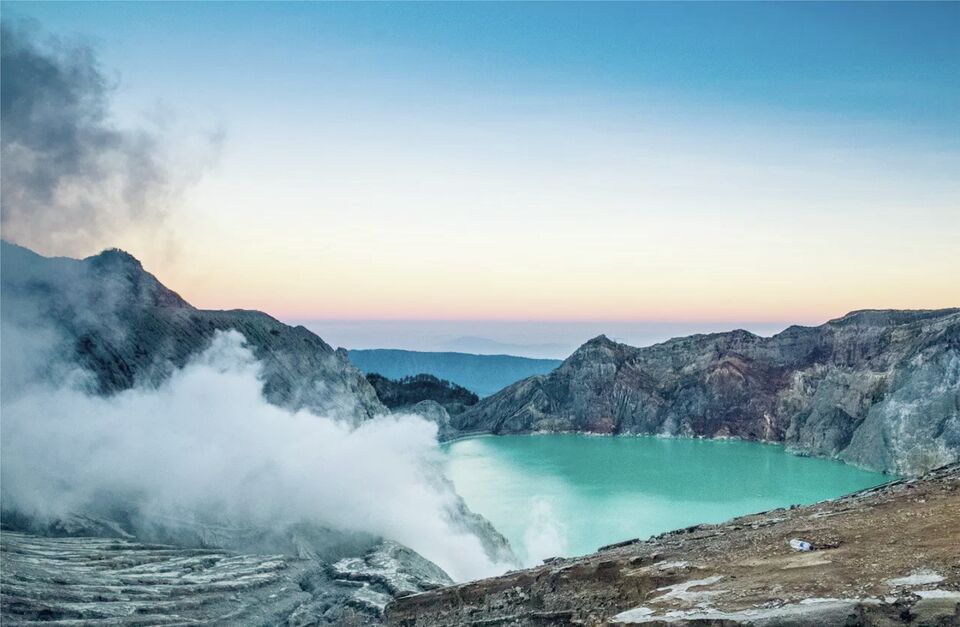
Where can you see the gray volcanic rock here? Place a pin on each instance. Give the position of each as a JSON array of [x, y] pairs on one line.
[[880, 389], [111, 317], [88, 580]]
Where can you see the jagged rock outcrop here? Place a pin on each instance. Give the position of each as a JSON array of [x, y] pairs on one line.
[[881, 557], [116, 320], [880, 389]]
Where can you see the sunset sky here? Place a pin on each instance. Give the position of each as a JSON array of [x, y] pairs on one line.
[[692, 163]]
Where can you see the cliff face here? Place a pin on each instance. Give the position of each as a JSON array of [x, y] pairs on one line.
[[880, 389], [117, 321]]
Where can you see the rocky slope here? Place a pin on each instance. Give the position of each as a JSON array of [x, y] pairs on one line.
[[884, 556], [114, 319], [880, 389]]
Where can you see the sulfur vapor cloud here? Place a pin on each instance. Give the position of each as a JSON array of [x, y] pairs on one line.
[[205, 445], [71, 179]]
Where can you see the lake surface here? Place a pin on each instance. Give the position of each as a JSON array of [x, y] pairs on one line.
[[568, 494]]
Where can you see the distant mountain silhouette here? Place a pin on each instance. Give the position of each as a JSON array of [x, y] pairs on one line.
[[482, 374]]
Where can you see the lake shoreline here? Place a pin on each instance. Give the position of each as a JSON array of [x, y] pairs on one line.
[[537, 490], [726, 438]]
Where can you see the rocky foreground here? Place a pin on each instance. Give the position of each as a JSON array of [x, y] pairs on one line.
[[879, 389], [106, 581], [885, 556]]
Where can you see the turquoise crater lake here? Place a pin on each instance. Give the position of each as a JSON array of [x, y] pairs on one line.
[[568, 494]]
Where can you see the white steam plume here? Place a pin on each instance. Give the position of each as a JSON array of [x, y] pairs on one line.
[[206, 441], [544, 536]]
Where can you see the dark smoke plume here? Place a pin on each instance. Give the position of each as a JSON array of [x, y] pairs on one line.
[[72, 180]]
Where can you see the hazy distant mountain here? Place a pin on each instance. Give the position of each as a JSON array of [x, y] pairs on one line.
[[483, 374], [486, 346], [880, 389]]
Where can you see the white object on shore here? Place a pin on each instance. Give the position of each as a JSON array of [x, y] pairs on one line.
[[800, 545]]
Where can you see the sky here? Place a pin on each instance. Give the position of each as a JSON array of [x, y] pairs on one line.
[[708, 165]]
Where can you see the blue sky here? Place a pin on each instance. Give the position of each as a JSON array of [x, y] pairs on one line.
[[884, 61], [562, 161]]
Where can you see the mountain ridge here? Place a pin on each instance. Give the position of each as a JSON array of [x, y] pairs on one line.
[[877, 388], [127, 328]]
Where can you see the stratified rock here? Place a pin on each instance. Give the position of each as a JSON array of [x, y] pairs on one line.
[[880, 389], [114, 581], [389, 570]]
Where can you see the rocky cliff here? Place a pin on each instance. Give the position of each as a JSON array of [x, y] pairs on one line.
[[880, 389], [117, 321]]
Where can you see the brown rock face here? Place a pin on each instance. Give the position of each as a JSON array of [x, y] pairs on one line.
[[880, 389]]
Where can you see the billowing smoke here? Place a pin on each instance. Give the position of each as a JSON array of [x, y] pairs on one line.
[[71, 180], [205, 444]]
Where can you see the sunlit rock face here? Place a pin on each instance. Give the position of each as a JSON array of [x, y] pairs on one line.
[[876, 388]]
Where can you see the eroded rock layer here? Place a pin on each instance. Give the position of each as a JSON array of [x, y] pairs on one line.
[[88, 580]]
